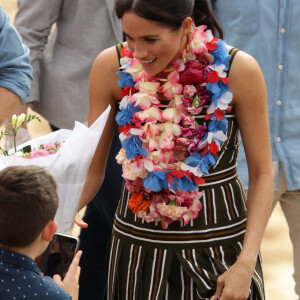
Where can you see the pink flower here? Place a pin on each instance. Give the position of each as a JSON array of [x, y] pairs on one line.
[[136, 120], [50, 145], [51, 151], [187, 101], [200, 131], [134, 186], [188, 132], [194, 146], [187, 120], [171, 211], [38, 153], [203, 95], [189, 91], [194, 110], [183, 141], [179, 152]]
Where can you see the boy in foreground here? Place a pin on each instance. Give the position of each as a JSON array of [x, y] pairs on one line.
[[28, 203]]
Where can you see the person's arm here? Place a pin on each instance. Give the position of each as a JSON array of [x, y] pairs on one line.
[[250, 102], [103, 91], [34, 21], [15, 69]]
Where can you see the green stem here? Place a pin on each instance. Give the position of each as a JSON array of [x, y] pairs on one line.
[[15, 140], [3, 151]]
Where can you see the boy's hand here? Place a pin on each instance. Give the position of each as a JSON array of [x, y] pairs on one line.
[[70, 282]]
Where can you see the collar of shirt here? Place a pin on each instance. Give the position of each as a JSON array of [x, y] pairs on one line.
[[18, 260]]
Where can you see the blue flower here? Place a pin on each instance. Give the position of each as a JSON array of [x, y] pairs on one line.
[[196, 160], [133, 147], [193, 160], [187, 185], [175, 183], [217, 89], [125, 115], [156, 181], [221, 55], [209, 159], [125, 79], [215, 125]]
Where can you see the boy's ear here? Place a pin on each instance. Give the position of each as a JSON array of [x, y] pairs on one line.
[[49, 230]]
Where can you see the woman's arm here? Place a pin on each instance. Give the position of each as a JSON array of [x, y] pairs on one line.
[[103, 91], [250, 102]]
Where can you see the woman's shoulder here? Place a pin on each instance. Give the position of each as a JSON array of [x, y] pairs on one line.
[[242, 62], [244, 73], [104, 70], [108, 59]]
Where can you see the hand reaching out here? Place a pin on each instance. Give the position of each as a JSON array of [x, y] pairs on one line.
[[70, 282], [79, 221]]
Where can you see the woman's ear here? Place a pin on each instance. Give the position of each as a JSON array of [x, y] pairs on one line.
[[49, 230], [186, 25]]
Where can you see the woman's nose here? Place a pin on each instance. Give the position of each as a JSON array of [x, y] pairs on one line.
[[140, 52]]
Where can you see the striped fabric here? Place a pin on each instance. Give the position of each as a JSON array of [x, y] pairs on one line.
[[147, 262]]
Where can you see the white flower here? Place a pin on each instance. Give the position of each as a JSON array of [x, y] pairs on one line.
[[125, 62], [223, 102], [195, 170], [17, 121], [124, 102], [14, 120], [220, 69]]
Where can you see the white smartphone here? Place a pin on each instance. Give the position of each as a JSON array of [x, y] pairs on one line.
[[59, 254]]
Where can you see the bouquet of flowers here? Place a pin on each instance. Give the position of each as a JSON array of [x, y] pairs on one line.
[[65, 154]]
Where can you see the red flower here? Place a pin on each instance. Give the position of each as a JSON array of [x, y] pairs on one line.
[[126, 91], [212, 45], [213, 76], [219, 114], [213, 148], [126, 52], [195, 73]]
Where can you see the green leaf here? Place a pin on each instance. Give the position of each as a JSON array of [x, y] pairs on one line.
[[26, 149], [196, 101], [172, 202]]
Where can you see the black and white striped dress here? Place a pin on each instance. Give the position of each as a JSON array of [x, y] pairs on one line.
[[146, 262]]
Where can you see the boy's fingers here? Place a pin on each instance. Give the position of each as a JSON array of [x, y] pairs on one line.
[[77, 275], [57, 279], [75, 262]]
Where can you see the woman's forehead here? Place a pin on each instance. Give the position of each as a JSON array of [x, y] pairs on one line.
[[137, 26]]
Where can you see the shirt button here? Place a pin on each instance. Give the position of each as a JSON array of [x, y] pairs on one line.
[[280, 67], [279, 102], [278, 139], [282, 30]]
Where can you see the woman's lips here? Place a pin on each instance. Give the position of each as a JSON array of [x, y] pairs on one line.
[[148, 62]]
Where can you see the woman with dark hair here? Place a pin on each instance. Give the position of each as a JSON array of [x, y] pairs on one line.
[[183, 228]]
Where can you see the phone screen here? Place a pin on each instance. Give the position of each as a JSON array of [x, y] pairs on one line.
[[59, 255]]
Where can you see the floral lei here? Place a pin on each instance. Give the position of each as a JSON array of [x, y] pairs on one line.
[[166, 152]]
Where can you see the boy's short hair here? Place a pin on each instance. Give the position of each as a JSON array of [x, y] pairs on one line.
[[28, 201]]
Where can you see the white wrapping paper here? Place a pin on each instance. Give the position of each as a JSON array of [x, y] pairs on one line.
[[69, 165]]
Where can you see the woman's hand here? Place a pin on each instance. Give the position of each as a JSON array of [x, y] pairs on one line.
[[79, 221], [235, 283]]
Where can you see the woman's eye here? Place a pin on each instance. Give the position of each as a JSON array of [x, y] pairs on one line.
[[150, 40], [128, 37]]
